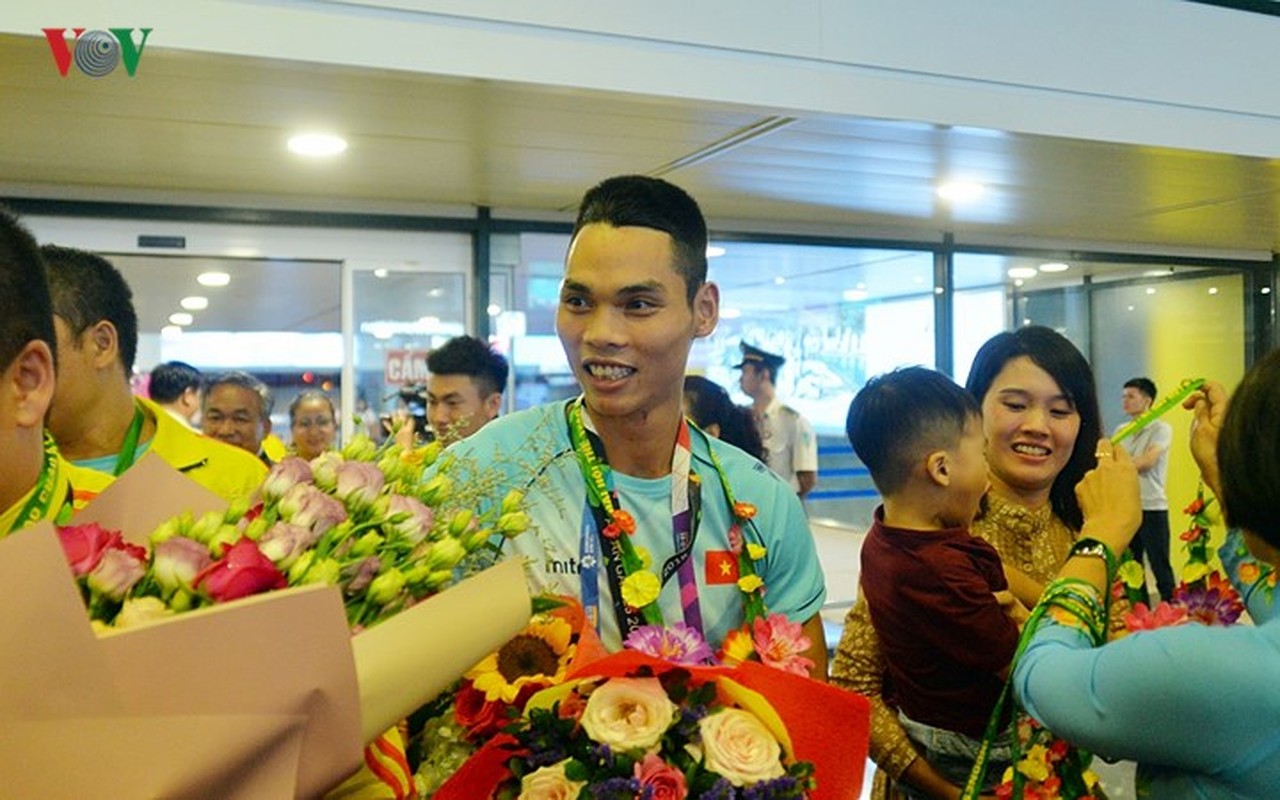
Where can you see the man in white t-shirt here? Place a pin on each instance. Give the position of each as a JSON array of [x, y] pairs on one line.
[[790, 447], [1149, 449]]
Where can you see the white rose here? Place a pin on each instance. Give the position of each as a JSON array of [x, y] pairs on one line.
[[628, 713], [549, 783], [739, 747]]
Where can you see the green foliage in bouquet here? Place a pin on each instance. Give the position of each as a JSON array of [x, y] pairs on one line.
[[363, 519]]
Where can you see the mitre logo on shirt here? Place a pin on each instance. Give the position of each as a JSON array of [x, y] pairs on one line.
[[721, 567]]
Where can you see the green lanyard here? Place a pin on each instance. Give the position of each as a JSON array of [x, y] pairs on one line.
[[130, 446], [38, 506]]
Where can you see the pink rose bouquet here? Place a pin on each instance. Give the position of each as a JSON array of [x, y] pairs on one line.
[[362, 519]]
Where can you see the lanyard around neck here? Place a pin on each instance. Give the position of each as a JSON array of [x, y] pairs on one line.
[[130, 447], [40, 504], [603, 503]]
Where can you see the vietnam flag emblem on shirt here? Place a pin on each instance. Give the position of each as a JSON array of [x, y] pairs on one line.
[[721, 567]]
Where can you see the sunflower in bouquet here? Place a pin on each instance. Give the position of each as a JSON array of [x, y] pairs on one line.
[[493, 693]]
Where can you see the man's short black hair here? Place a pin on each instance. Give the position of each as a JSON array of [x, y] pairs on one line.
[[26, 311], [644, 202], [467, 355], [170, 380], [1249, 453], [903, 415], [86, 290], [1144, 385]]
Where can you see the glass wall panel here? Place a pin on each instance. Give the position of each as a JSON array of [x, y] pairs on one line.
[[399, 315], [531, 265]]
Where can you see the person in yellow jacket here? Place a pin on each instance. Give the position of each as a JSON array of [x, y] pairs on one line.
[[36, 483], [95, 419]]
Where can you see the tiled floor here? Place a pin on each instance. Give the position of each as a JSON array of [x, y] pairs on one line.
[[839, 546]]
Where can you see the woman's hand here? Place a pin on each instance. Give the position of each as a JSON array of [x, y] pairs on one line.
[[1110, 499], [1210, 407]]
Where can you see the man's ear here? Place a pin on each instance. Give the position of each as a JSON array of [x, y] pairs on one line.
[[706, 310], [938, 467], [105, 341], [30, 377], [492, 405]]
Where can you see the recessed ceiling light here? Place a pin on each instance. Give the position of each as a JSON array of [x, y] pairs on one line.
[[171, 330], [317, 145], [181, 318], [730, 313], [1266, 290], [961, 191], [194, 303], [1151, 290], [1055, 266], [1130, 308], [1213, 290], [1017, 282], [213, 279], [381, 272], [1022, 272], [779, 280], [714, 251], [854, 295]]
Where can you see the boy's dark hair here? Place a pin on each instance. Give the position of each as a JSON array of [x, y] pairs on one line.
[[86, 289], [1249, 453], [901, 416], [1056, 355], [1144, 385], [709, 403], [644, 202], [467, 355], [170, 379], [26, 311]]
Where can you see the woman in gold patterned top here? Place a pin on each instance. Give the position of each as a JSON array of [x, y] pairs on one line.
[[1040, 416]]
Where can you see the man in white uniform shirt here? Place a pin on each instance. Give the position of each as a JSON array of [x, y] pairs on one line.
[[1149, 449], [790, 447]]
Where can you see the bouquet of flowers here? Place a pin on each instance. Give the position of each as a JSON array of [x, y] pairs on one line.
[[1204, 595], [629, 725], [361, 519], [495, 691]]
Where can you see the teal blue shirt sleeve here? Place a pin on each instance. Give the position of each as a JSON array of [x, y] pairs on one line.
[[1199, 701]]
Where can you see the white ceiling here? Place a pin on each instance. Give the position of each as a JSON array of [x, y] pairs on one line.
[[205, 129]]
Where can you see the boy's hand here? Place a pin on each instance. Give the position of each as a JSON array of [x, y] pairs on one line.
[[1013, 607]]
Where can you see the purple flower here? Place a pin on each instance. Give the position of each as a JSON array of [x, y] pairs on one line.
[[1209, 605], [309, 507], [283, 476], [116, 573], [285, 541], [679, 643], [359, 483], [363, 574], [416, 520], [176, 562]]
